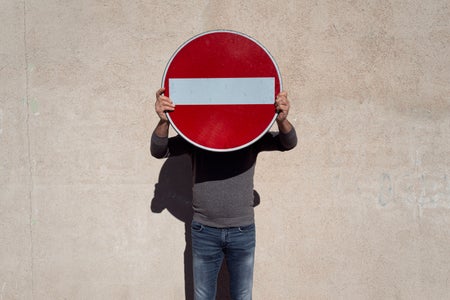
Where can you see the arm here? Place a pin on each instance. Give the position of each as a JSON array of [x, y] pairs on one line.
[[282, 106], [162, 105], [159, 140], [288, 136]]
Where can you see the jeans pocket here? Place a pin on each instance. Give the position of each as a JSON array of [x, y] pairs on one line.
[[247, 228], [196, 226]]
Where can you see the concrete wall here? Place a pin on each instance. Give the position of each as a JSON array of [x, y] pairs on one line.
[[359, 210]]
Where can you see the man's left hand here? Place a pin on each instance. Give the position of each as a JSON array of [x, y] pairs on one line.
[[282, 106]]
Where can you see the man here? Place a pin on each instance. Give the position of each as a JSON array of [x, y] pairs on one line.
[[223, 200]]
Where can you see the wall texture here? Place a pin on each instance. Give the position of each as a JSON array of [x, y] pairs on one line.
[[359, 210]]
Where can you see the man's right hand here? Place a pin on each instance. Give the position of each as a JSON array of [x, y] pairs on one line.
[[163, 104]]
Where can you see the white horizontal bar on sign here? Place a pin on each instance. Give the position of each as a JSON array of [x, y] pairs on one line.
[[249, 90]]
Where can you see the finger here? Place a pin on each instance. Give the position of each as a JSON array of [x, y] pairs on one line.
[[279, 109], [282, 94], [281, 103], [167, 102], [281, 99], [160, 91], [168, 107], [164, 100]]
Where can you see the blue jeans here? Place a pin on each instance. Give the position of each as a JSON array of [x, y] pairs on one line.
[[210, 246]]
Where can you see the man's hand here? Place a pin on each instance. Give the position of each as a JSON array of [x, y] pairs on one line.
[[282, 106], [163, 104]]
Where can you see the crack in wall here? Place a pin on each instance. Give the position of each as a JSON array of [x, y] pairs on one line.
[[30, 169]]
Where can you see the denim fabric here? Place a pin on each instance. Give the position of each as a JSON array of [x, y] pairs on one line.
[[210, 246]]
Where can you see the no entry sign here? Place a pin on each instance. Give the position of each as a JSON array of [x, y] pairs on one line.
[[224, 85]]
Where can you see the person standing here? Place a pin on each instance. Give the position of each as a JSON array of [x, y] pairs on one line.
[[223, 225]]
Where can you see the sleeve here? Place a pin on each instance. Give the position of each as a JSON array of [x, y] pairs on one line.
[[159, 146], [288, 140], [163, 147], [278, 141]]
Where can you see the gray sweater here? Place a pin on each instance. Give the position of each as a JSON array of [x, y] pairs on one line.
[[223, 181]]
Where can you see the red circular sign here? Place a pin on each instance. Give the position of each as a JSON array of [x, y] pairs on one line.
[[223, 84]]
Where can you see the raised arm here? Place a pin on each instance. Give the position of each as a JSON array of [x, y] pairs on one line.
[[282, 106], [163, 104], [287, 135], [159, 139]]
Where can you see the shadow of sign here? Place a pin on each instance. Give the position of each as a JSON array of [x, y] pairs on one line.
[[174, 193]]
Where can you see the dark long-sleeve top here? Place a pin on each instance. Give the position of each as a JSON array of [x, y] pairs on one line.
[[223, 193]]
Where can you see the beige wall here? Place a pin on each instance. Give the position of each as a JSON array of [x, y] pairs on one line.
[[359, 210]]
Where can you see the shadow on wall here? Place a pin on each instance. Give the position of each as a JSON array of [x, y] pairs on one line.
[[174, 193]]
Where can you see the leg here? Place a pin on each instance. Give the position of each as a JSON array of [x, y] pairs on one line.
[[207, 257], [240, 253]]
